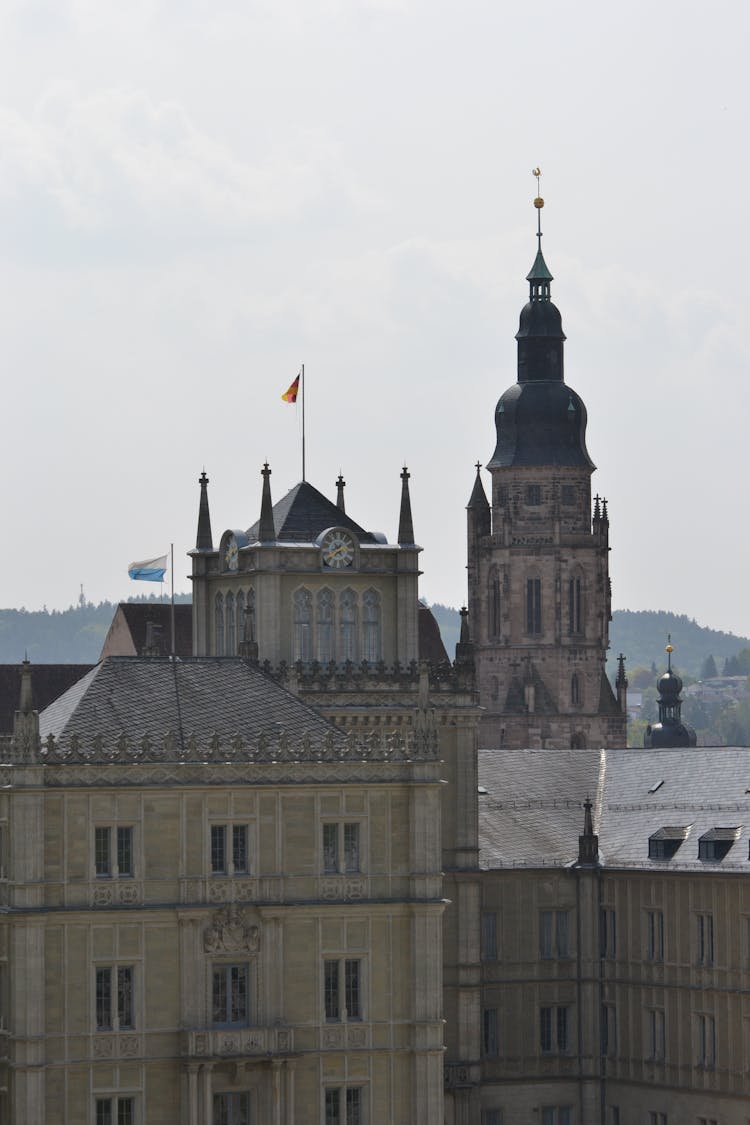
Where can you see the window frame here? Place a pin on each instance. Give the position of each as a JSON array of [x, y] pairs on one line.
[[656, 1031], [112, 1105], [349, 1109], [229, 829], [112, 854], [555, 1029], [114, 998], [341, 832], [231, 1097], [705, 947], [655, 936], [343, 991], [554, 936], [225, 970]]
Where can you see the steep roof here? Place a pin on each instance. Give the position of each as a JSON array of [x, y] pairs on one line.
[[48, 681], [531, 814], [127, 633], [301, 515], [431, 645], [201, 696]]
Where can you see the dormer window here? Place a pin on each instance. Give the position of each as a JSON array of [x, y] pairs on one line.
[[663, 844], [714, 844]]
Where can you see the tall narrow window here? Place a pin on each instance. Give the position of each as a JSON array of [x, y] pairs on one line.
[[553, 934], [302, 625], [336, 1005], [240, 618], [609, 1031], [489, 936], [325, 626], [115, 1111], [341, 847], [230, 995], [575, 690], [231, 626], [344, 1106], [348, 620], [231, 1109], [219, 624], [705, 939], [114, 998], [534, 605], [655, 935], [575, 605], [371, 649], [656, 1037], [706, 1041], [494, 604], [554, 1029], [489, 1033], [607, 933]]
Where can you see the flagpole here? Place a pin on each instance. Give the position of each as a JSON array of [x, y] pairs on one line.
[[303, 421], [171, 550]]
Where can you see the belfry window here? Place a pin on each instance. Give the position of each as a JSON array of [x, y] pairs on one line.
[[494, 604], [371, 626], [348, 624], [325, 626], [533, 605], [231, 626], [575, 605], [219, 623], [575, 690], [302, 625]]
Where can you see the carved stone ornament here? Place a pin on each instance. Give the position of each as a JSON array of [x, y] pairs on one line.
[[230, 932]]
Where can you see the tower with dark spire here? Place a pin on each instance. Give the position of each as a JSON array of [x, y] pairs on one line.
[[670, 731], [538, 567]]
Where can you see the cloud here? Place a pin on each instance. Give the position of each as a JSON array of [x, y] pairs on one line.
[[116, 167]]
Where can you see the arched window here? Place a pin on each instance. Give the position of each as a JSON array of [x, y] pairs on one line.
[[493, 604], [219, 624], [575, 604], [230, 621], [249, 628], [325, 626], [302, 625], [371, 626], [240, 618], [533, 605], [575, 690], [348, 624]]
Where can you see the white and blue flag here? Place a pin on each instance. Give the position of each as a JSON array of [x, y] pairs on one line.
[[149, 570]]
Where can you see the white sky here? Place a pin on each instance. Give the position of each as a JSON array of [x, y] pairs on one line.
[[196, 197]]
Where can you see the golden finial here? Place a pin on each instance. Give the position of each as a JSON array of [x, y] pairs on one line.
[[538, 202], [669, 650]]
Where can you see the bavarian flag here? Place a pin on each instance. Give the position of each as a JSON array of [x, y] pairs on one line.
[[149, 570], [291, 394]]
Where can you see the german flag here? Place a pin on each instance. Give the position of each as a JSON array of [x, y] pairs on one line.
[[291, 394]]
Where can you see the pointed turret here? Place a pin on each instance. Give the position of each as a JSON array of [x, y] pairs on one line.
[[25, 720], [621, 683], [588, 843], [405, 526], [340, 486], [478, 507], [203, 540], [26, 694], [266, 529]]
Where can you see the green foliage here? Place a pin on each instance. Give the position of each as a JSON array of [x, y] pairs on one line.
[[69, 636], [708, 669], [642, 635], [738, 665]]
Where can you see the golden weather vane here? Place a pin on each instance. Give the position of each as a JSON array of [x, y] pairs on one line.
[[538, 203]]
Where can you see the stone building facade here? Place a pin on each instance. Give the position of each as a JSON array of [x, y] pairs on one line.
[[217, 907]]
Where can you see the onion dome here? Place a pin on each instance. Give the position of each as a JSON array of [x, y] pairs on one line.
[[670, 731], [540, 420]]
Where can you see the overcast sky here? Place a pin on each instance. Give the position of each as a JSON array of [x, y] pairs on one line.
[[196, 197]]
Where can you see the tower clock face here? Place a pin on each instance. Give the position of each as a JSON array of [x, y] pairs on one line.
[[231, 554], [337, 549]]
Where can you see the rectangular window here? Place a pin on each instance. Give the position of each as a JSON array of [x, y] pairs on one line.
[[341, 853], [568, 494], [533, 495], [557, 1115], [106, 863], [607, 933], [655, 935], [609, 1031], [655, 1033], [332, 998], [707, 1121], [553, 934], [657, 1118], [115, 1111], [705, 939], [534, 605], [231, 1109], [554, 1030], [344, 1106], [706, 1028], [221, 835], [489, 936], [491, 1117], [114, 1012], [230, 997], [489, 1033]]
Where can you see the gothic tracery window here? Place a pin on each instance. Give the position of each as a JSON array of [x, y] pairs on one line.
[[533, 605], [575, 604], [325, 626], [575, 690], [219, 624], [302, 624], [348, 624], [230, 626], [371, 632]]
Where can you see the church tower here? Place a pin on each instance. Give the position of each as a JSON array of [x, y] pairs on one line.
[[538, 569]]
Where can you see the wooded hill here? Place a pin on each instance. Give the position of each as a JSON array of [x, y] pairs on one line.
[[76, 635]]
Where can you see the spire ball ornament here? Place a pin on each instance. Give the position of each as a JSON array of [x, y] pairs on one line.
[[538, 202]]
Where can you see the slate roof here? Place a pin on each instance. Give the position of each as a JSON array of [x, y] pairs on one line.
[[136, 616], [201, 696], [431, 645], [48, 681], [301, 515], [531, 815]]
